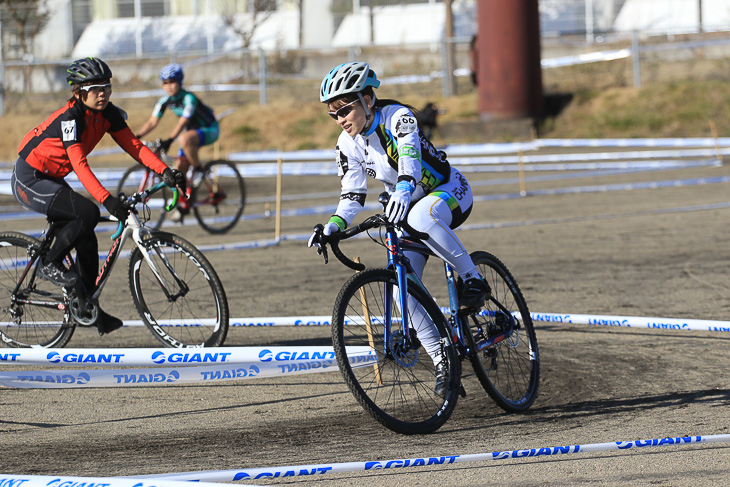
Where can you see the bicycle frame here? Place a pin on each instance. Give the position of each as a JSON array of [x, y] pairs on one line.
[[405, 273], [31, 267], [133, 228]]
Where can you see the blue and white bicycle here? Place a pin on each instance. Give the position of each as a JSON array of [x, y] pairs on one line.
[[381, 309]]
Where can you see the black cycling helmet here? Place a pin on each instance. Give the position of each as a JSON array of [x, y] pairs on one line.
[[86, 70]]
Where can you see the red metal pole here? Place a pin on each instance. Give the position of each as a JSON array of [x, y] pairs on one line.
[[509, 78]]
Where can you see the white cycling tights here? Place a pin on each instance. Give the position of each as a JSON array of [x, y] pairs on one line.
[[433, 216]]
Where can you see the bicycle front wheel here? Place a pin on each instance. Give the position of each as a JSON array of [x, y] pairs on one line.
[[218, 197], [138, 178], [37, 315], [509, 370], [178, 293], [393, 376]]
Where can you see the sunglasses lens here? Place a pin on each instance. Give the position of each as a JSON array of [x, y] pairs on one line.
[[342, 112]]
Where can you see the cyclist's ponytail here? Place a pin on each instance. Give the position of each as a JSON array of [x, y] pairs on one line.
[[384, 102]]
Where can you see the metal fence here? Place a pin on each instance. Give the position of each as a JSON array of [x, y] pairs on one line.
[[569, 65]]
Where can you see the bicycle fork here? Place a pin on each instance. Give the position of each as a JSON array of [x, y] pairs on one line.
[[161, 281]]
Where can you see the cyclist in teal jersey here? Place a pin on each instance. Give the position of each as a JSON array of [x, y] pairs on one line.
[[196, 127]]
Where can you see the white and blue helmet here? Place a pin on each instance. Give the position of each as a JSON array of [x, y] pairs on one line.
[[345, 79], [172, 71]]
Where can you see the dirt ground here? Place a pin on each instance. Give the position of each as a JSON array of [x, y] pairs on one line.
[[612, 252]]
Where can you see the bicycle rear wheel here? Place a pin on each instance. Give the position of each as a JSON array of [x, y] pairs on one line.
[[509, 370], [38, 314], [395, 384], [181, 300], [219, 197], [138, 178]]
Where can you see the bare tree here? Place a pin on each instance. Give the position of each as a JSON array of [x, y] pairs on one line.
[[27, 18], [245, 26], [23, 20]]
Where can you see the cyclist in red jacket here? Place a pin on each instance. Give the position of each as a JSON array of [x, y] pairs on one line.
[[59, 145]]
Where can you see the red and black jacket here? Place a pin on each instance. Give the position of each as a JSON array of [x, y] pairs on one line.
[[61, 143]]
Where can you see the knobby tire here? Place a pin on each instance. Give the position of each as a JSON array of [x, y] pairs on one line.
[[404, 401], [32, 325], [196, 318]]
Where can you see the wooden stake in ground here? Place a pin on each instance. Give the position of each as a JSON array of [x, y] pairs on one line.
[[368, 327], [277, 224], [713, 131]]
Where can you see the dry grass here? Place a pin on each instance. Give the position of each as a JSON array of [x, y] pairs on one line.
[[672, 109]]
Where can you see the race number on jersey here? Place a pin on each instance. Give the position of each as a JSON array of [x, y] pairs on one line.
[[406, 124], [69, 130]]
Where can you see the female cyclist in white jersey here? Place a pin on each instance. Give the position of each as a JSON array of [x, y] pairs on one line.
[[381, 139]]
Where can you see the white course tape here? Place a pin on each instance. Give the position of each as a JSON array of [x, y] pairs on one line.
[[608, 320], [634, 321], [66, 379], [9, 480], [532, 453], [153, 357]]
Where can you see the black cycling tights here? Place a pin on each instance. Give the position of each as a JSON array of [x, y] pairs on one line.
[[82, 216]]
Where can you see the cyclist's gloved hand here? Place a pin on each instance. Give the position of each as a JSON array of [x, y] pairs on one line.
[[173, 177], [399, 201], [115, 208], [330, 228], [165, 145]]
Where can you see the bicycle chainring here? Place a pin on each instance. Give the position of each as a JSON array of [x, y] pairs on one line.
[[84, 311]]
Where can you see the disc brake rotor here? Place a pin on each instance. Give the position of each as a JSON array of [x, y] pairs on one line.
[[402, 350]]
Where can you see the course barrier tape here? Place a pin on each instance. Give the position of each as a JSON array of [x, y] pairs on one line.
[[9, 480], [85, 378], [634, 322], [601, 188], [454, 150], [189, 357], [369, 466], [581, 170], [309, 161], [459, 150], [229, 354], [68, 379]]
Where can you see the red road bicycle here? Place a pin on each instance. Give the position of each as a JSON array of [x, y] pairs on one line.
[[216, 195]]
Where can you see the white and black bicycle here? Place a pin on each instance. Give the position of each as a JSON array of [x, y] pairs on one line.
[[174, 287]]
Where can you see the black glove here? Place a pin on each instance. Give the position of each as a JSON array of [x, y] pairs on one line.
[[115, 208], [173, 177], [165, 145]]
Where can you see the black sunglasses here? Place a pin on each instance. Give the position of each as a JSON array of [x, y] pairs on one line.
[[343, 111]]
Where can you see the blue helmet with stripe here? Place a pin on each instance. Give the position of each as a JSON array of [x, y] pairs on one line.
[[172, 71], [345, 79]]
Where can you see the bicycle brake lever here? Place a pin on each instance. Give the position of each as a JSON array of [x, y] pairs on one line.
[[118, 232]]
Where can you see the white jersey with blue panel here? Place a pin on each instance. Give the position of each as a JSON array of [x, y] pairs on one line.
[[391, 151]]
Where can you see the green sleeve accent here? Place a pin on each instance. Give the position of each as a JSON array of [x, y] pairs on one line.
[[409, 150], [342, 224]]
